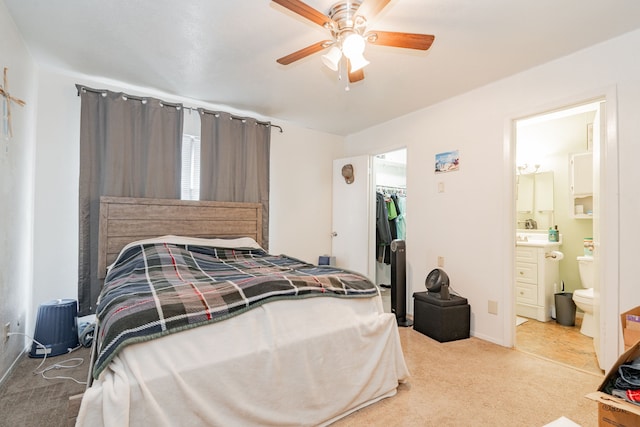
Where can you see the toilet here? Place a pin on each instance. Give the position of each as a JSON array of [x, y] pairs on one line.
[[584, 297]]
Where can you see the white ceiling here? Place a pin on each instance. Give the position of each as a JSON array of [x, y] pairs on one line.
[[224, 51]]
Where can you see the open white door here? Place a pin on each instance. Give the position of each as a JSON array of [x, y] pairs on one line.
[[351, 207], [598, 341]]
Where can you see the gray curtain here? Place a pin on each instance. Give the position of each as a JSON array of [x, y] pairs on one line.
[[129, 147], [234, 161]]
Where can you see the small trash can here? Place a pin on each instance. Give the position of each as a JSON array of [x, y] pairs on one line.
[[56, 328], [565, 309]]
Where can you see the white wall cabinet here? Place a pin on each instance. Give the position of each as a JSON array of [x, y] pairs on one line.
[[535, 278], [581, 166]]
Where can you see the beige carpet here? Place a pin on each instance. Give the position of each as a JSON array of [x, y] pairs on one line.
[[28, 400], [475, 383], [461, 383]]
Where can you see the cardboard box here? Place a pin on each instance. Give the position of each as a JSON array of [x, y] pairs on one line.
[[630, 327], [614, 411], [612, 416], [633, 322]]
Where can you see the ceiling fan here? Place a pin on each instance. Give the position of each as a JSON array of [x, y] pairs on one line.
[[347, 24]]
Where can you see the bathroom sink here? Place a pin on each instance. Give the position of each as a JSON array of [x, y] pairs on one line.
[[536, 239]]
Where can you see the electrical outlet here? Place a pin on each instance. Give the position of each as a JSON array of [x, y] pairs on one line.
[[5, 333], [441, 261], [493, 307]]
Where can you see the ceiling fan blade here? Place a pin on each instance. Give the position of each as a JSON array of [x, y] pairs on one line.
[[303, 53], [370, 8], [355, 76], [304, 10], [406, 40]]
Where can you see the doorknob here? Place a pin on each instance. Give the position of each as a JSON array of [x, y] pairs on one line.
[[334, 234]]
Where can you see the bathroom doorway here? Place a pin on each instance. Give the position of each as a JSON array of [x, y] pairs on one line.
[[545, 145]]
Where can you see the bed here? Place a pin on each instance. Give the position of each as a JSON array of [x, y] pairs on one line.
[[243, 338]]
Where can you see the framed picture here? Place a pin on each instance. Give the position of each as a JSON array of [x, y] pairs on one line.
[[447, 162]]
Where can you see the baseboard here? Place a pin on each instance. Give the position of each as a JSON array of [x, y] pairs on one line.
[[487, 338], [13, 365]]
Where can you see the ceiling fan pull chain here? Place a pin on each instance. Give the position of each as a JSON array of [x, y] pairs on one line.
[[344, 69]]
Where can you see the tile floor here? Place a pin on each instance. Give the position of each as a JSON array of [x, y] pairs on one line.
[[562, 344]]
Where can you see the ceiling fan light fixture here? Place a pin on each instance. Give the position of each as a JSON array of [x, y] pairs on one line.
[[353, 46], [346, 22], [357, 62], [332, 58]]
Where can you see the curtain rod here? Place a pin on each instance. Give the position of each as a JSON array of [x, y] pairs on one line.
[[217, 113], [176, 106]]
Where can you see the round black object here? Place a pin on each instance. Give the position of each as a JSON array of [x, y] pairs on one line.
[[435, 279]]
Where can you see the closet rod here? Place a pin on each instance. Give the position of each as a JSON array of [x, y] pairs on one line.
[[392, 188]]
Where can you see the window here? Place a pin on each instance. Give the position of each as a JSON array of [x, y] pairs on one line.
[[190, 180]]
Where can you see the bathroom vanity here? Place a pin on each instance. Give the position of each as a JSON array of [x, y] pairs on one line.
[[537, 275]]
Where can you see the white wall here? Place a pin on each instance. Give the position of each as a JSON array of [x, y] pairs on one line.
[[55, 254], [16, 190], [300, 211], [301, 198], [470, 222]]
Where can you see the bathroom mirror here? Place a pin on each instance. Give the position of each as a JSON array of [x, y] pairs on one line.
[[543, 192], [524, 195], [534, 196]]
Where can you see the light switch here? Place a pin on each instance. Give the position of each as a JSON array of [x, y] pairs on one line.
[[440, 187]]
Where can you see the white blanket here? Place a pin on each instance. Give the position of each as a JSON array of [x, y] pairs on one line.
[[255, 369]]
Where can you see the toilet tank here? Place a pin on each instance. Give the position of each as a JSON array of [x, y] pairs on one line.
[[585, 268]]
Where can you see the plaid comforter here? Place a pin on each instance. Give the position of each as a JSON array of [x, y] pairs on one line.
[[155, 289]]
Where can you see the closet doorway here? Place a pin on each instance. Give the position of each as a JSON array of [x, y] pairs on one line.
[[390, 183]]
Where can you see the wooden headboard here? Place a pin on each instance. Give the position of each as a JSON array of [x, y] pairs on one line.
[[126, 219]]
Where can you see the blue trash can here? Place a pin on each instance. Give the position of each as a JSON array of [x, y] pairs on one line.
[[56, 328]]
